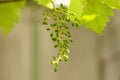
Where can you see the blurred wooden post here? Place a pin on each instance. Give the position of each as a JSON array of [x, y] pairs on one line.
[[99, 58], [36, 40]]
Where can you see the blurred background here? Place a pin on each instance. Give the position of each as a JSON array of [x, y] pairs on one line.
[[26, 53]]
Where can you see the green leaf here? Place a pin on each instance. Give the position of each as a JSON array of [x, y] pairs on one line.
[[96, 15], [9, 15], [93, 13], [77, 7], [46, 3], [113, 3]]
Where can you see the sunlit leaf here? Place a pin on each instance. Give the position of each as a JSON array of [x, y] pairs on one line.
[[9, 15], [77, 7], [113, 3], [46, 3], [96, 16]]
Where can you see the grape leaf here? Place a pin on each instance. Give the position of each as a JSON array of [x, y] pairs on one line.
[[93, 13], [113, 3], [9, 14], [76, 7], [96, 15], [46, 3]]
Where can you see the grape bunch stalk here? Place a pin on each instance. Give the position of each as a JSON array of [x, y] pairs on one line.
[[59, 32]]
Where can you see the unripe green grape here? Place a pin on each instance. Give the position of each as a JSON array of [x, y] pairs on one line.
[[44, 23], [66, 58], [56, 69]]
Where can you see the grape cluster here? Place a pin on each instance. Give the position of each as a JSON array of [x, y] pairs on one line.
[[59, 32]]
